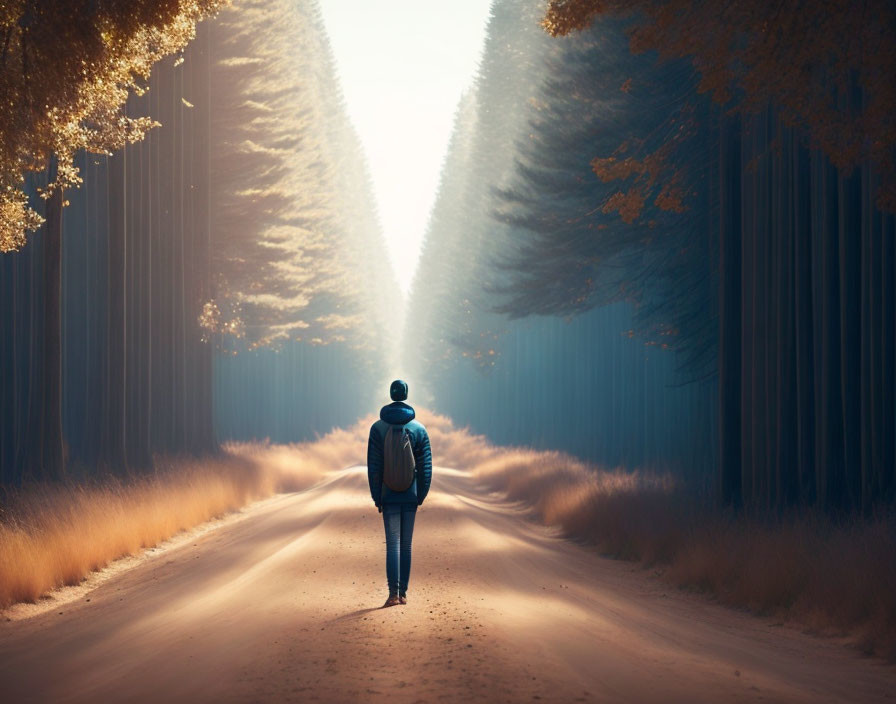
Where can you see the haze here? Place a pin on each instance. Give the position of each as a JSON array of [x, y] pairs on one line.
[[403, 66]]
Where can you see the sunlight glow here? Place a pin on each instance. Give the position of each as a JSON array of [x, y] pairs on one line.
[[403, 65]]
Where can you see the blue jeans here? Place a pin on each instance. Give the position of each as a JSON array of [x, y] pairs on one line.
[[399, 522]]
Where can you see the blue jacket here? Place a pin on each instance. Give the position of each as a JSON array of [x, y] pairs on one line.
[[398, 413]]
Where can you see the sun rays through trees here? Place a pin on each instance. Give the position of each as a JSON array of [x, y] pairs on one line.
[[242, 220], [662, 243]]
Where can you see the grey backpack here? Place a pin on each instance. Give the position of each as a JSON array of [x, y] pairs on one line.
[[398, 459]]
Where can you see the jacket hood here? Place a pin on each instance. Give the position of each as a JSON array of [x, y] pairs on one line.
[[397, 413]]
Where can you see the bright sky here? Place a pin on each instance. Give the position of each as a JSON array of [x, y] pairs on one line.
[[403, 65]]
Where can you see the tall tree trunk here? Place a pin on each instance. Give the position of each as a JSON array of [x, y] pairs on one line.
[[205, 440], [116, 384], [786, 432], [831, 482], [748, 278], [850, 251], [869, 347], [51, 452], [9, 282], [804, 354], [730, 301], [888, 358]]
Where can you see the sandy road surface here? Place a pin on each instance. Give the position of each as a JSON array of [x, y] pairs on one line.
[[282, 606]]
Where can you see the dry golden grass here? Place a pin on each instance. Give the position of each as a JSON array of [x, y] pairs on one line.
[[54, 535], [832, 579]]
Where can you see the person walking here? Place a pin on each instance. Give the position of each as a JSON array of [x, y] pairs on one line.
[[399, 471]]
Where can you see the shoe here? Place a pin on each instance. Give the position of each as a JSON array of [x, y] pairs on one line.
[[392, 601], [402, 598]]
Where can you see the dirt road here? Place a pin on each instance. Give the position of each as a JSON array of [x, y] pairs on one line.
[[281, 605]]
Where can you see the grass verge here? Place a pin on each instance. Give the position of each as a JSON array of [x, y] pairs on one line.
[[835, 579], [55, 535]]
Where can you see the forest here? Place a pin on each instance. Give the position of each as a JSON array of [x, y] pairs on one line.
[[694, 260], [138, 319], [653, 319], [689, 252]]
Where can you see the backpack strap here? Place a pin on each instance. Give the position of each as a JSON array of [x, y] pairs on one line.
[[383, 473], [411, 441]]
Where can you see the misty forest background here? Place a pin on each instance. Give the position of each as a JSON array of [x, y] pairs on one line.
[[663, 239]]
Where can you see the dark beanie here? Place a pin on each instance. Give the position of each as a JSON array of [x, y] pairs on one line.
[[399, 390]]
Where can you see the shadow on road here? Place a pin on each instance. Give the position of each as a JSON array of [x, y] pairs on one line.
[[351, 616]]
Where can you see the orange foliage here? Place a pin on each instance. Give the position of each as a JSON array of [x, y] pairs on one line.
[[671, 199], [65, 71], [646, 173], [609, 168], [827, 65], [629, 204]]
